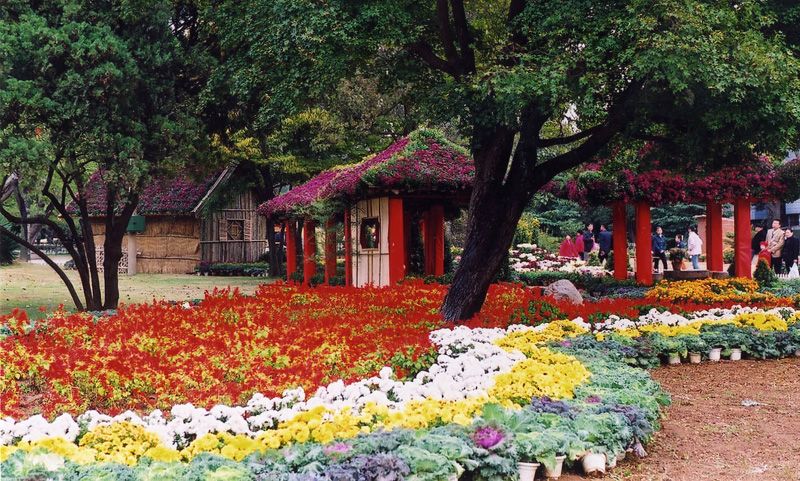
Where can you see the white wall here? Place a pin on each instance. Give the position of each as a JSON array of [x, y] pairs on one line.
[[370, 266]]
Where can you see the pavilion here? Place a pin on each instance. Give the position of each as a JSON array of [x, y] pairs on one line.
[[409, 188]]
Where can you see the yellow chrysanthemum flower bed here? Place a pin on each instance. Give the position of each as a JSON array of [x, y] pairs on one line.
[[121, 442], [555, 331], [759, 320], [709, 291], [543, 373]]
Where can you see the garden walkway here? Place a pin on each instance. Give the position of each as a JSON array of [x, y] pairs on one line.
[[709, 434]]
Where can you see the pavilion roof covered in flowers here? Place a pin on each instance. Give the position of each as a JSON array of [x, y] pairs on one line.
[[424, 162]]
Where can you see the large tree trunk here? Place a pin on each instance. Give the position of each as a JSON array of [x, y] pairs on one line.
[[24, 253], [499, 196], [116, 226], [492, 221]]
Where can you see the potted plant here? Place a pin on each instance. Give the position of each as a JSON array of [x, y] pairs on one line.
[[549, 448], [670, 347], [695, 347], [716, 341], [676, 256]]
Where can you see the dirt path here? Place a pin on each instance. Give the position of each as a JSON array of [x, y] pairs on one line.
[[708, 434]]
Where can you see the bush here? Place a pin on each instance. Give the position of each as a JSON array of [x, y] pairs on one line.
[[8, 247], [764, 274], [527, 229], [252, 269]]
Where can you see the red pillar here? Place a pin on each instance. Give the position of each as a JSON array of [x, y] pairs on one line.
[[397, 251], [714, 237], [644, 244], [436, 233], [348, 250], [620, 239], [291, 258], [330, 250], [309, 252], [741, 243]]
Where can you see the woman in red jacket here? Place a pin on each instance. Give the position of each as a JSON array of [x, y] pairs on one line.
[[567, 248]]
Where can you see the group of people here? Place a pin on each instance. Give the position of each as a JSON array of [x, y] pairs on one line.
[[777, 246], [587, 241]]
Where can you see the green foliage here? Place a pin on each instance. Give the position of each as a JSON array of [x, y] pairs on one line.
[[764, 274], [676, 218], [8, 247], [233, 269]]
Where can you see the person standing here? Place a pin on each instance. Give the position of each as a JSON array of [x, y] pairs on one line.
[[775, 238], [567, 248], [579, 244], [791, 249], [588, 241], [659, 249], [605, 243], [759, 237], [694, 247]]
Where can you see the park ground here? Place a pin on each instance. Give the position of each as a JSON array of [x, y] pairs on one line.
[[30, 286], [712, 430], [709, 434]]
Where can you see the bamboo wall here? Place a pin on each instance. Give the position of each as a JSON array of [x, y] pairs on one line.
[[215, 244], [168, 245]]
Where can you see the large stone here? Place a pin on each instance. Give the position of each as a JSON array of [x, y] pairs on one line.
[[564, 290]]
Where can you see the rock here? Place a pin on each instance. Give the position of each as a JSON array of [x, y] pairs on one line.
[[564, 290]]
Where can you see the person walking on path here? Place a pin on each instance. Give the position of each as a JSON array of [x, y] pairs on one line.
[[759, 237], [604, 240], [695, 247], [791, 249], [588, 241], [775, 238], [579, 244], [567, 248], [659, 249]]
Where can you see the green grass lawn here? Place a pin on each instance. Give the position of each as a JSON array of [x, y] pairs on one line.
[[29, 286]]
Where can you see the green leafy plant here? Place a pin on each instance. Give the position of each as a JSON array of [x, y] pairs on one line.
[[764, 274]]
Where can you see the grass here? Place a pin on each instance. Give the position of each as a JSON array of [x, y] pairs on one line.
[[30, 286]]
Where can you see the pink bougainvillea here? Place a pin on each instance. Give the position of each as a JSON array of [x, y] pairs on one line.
[[160, 196], [423, 161]]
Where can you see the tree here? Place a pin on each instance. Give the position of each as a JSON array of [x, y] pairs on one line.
[[88, 86]]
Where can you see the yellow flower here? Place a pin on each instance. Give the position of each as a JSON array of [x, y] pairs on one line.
[[555, 331], [120, 442]]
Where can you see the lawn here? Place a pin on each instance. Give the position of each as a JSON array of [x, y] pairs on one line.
[[29, 286]]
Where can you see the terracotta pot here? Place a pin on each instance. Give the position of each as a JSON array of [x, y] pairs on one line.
[[527, 471], [695, 357], [677, 265], [674, 358], [594, 464], [736, 354], [714, 354], [555, 473]]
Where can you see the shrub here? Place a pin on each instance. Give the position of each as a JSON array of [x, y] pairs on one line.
[[764, 274], [527, 229], [8, 247]]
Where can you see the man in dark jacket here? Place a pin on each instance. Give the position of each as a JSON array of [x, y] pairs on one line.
[[659, 249], [604, 239], [759, 237], [791, 249], [588, 240]]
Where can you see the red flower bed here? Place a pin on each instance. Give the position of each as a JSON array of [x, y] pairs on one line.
[[224, 349]]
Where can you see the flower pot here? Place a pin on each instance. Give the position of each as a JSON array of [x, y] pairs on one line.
[[527, 471], [674, 358], [677, 265], [797, 353], [714, 354], [555, 473], [695, 357], [594, 464], [736, 354]]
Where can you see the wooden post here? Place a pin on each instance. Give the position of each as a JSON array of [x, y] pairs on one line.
[[348, 249], [131, 253], [330, 250], [620, 241], [742, 251], [644, 244], [397, 251], [435, 232], [714, 261], [309, 251], [291, 258]]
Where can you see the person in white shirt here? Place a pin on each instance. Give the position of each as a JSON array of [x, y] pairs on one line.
[[694, 247]]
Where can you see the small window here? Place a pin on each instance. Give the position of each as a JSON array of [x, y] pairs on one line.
[[235, 230], [370, 233]]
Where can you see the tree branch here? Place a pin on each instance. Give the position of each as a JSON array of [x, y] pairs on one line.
[[424, 51], [32, 247], [568, 139], [467, 61], [446, 33]]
